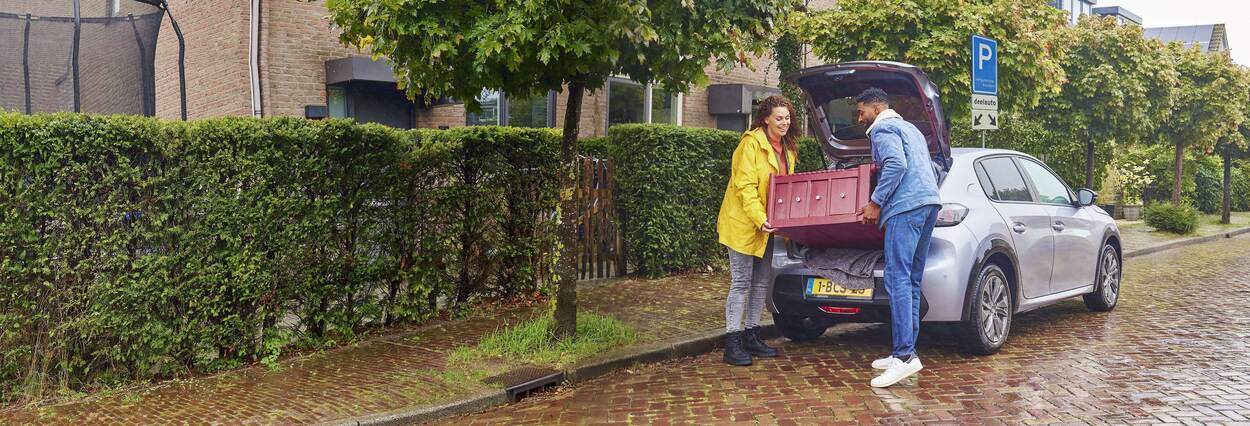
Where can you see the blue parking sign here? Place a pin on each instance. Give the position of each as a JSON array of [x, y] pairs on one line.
[[984, 66]]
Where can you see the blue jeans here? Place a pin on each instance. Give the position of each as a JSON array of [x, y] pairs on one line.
[[907, 238]]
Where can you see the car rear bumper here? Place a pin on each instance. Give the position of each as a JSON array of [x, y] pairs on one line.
[[947, 268], [789, 297]]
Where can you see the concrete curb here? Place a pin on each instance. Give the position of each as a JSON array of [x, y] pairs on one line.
[[692, 345], [1185, 242], [422, 414]]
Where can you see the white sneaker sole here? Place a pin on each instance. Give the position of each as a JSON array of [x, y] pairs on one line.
[[910, 371]]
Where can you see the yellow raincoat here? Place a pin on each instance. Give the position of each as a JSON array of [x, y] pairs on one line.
[[743, 210]]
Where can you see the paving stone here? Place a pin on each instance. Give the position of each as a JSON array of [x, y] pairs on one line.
[[1175, 351]]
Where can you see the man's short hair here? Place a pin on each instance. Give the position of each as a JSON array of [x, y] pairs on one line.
[[872, 96]]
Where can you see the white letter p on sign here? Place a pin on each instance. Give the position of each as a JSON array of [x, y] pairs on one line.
[[983, 54]]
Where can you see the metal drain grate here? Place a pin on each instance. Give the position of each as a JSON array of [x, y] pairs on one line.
[[524, 380]]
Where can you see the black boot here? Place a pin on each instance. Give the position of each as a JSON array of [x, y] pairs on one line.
[[734, 355], [753, 345]]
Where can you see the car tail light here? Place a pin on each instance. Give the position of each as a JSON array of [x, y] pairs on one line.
[[951, 214], [839, 310]]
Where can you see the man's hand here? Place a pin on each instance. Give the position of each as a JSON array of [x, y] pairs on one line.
[[767, 227], [871, 213]]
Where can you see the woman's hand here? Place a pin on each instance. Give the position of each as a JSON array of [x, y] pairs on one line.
[[767, 227]]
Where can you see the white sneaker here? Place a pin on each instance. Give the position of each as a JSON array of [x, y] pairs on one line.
[[883, 363], [897, 371]]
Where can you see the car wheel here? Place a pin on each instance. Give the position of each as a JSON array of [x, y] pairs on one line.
[[990, 313], [799, 329], [1104, 298]]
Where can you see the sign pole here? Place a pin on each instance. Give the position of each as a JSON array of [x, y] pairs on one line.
[[983, 139]]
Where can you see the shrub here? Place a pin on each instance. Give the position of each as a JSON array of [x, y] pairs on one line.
[[670, 181], [1240, 190], [1177, 219], [1208, 193], [811, 157], [134, 248], [598, 147]]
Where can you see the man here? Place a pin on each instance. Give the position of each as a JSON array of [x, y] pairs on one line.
[[906, 204]]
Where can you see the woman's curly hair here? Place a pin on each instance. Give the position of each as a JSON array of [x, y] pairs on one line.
[[765, 108]]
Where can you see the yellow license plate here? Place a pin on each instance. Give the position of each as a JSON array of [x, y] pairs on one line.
[[824, 287]]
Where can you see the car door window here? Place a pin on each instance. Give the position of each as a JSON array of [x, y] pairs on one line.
[[1005, 178], [1050, 190]]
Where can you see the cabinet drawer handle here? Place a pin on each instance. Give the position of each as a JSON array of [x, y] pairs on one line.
[[817, 198]]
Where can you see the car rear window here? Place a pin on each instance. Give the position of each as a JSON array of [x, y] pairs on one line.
[[1005, 179]]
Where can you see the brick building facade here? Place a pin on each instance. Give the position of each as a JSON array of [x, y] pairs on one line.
[[297, 41]]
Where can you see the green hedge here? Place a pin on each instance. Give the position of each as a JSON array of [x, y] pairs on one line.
[[670, 181], [133, 248], [1178, 219]]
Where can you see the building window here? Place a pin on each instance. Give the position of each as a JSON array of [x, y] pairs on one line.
[[630, 102], [534, 111], [489, 100], [336, 102], [500, 110]]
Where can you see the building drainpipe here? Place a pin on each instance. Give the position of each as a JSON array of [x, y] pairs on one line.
[[253, 58]]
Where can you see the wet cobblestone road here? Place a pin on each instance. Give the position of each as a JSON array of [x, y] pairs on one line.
[[1174, 351]]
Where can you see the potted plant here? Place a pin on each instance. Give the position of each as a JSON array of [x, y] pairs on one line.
[[1133, 179], [1109, 194]]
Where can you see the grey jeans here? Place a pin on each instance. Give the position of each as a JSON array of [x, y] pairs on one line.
[[748, 287]]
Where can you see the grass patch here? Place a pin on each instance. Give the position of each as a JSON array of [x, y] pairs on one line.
[[533, 341]]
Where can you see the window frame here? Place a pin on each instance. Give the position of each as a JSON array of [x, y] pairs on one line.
[[502, 117], [647, 101], [1037, 196], [995, 199]]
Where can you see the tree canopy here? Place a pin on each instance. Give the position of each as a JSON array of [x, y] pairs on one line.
[[521, 47], [935, 36], [1118, 83], [1210, 94]]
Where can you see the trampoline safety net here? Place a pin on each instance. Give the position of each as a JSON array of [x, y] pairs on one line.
[[94, 56]]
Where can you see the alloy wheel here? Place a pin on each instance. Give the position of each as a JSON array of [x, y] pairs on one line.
[[995, 309]]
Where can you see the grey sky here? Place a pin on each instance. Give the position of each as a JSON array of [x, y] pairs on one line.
[[1235, 14]]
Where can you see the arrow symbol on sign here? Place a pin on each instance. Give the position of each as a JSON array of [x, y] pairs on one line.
[[993, 122], [977, 121]]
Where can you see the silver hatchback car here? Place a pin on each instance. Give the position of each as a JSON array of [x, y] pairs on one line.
[[1011, 235]]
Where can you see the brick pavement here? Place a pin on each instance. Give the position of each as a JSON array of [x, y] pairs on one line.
[[382, 374], [1174, 351]]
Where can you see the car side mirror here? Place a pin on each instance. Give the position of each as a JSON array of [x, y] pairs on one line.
[[1086, 197]]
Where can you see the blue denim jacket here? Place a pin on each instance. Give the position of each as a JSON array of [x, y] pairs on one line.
[[906, 179]]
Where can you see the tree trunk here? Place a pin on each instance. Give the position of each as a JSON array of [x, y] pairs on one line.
[[1179, 171], [1089, 163], [1225, 216], [566, 268]]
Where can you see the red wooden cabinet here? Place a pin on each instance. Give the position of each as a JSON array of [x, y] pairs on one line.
[[821, 209]]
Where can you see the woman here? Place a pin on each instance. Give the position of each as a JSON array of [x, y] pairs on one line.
[[767, 150]]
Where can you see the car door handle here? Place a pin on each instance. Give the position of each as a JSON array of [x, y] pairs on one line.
[[1058, 226], [1018, 227]]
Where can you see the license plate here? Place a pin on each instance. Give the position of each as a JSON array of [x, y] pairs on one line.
[[824, 288]]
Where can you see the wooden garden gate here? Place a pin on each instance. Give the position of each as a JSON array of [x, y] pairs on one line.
[[599, 253]]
